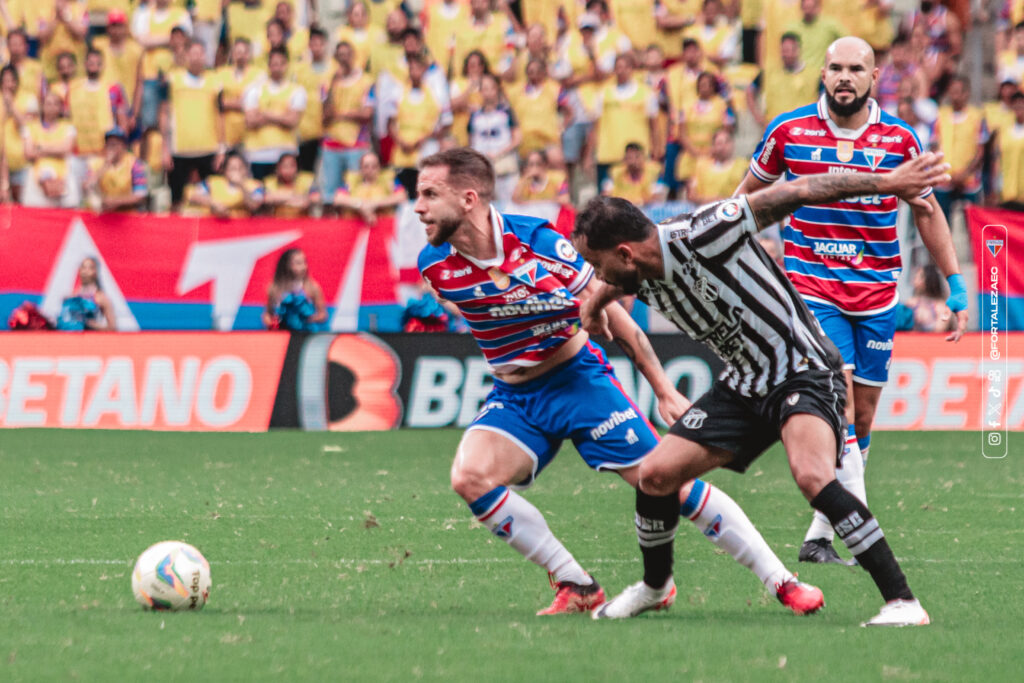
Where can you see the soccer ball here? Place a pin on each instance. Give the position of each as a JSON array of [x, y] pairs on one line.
[[171, 575]]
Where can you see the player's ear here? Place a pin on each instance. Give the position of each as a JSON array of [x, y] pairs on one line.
[[625, 252]]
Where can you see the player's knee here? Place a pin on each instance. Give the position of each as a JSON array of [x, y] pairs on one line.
[[812, 480], [862, 424], [657, 481], [470, 482]]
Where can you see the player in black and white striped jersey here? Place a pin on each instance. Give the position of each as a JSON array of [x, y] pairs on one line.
[[783, 379]]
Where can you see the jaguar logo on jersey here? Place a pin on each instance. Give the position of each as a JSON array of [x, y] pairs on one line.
[[501, 279], [729, 211], [694, 418], [844, 150], [841, 250], [504, 528], [874, 157], [565, 250]]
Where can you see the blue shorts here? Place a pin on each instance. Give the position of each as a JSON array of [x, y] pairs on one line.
[[580, 399], [864, 341]]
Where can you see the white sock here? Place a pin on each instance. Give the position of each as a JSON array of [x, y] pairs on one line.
[[724, 523], [851, 476], [513, 519]]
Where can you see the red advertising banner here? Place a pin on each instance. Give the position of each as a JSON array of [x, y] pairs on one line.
[[168, 381], [174, 272]]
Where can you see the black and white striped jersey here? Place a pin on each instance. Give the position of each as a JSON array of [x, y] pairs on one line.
[[722, 289]]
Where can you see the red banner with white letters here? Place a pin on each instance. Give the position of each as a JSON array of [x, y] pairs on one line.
[[174, 272]]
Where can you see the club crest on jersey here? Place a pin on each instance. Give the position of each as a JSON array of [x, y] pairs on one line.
[[527, 273], [729, 211], [565, 250], [694, 418], [504, 528], [793, 400], [501, 279], [844, 150], [874, 156], [994, 246]]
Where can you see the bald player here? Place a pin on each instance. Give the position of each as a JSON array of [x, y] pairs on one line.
[[843, 257]]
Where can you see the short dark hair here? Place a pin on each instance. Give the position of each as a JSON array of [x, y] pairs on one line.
[[690, 42], [93, 51], [316, 32], [278, 50], [790, 35], [1016, 96], [466, 168], [635, 147], [606, 222]]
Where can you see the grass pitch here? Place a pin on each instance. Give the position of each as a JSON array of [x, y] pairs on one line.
[[346, 557]]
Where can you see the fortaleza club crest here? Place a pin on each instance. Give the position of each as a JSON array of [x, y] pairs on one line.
[[874, 157], [994, 246]]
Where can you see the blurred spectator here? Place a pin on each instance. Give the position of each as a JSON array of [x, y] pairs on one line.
[[273, 109], [783, 88], [816, 33], [88, 308], [672, 17], [62, 29], [295, 301], [494, 132], [416, 126], [927, 306], [1010, 62], [232, 195], [539, 183], [363, 37], [1010, 162], [67, 72], [207, 24], [960, 133], [290, 193], [19, 108], [151, 25], [871, 21], [1011, 14], [295, 38], [369, 192], [537, 48], [117, 180], [999, 113], [935, 61], [656, 78], [348, 110], [121, 58], [443, 21], [636, 179], [48, 145], [465, 93], [314, 75], [535, 104], [386, 56], [697, 123], [636, 19], [942, 26], [897, 69], [30, 70], [235, 79], [908, 113], [779, 15], [95, 105], [681, 84], [489, 32], [718, 38], [274, 37], [192, 125], [627, 110], [717, 176]]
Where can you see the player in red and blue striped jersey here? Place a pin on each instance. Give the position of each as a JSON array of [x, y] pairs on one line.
[[519, 285], [844, 257]]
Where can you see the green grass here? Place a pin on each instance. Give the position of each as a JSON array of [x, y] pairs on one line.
[[347, 557]]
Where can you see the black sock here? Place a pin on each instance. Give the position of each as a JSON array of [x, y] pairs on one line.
[[656, 522], [860, 532]]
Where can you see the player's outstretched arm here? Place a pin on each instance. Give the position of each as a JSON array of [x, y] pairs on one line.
[[611, 320], [938, 240], [907, 181]]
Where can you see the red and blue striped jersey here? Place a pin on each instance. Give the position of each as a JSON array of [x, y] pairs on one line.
[[845, 253], [521, 306]]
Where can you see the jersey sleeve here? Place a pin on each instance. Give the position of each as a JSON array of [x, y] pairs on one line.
[[566, 263], [716, 228], [768, 163], [911, 149]]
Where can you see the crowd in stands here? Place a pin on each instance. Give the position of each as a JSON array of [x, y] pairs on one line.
[[230, 108]]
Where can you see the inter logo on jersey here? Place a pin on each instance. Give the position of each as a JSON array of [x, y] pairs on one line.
[[994, 246]]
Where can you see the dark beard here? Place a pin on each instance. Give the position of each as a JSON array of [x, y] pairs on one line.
[[629, 284], [445, 229], [850, 109]]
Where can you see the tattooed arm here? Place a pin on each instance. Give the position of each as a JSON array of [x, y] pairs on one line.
[[907, 181]]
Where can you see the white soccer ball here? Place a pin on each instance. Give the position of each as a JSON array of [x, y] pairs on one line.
[[171, 575]]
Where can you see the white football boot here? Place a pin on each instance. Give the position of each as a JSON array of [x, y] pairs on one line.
[[900, 613], [637, 599]]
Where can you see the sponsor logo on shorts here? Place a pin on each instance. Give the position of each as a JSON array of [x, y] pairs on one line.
[[631, 437], [694, 418], [613, 421], [793, 399], [876, 345]]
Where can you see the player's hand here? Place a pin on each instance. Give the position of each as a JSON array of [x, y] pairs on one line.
[[961, 324], [911, 178], [672, 406], [594, 319]]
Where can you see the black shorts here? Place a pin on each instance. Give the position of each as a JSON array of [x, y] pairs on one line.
[[747, 427]]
